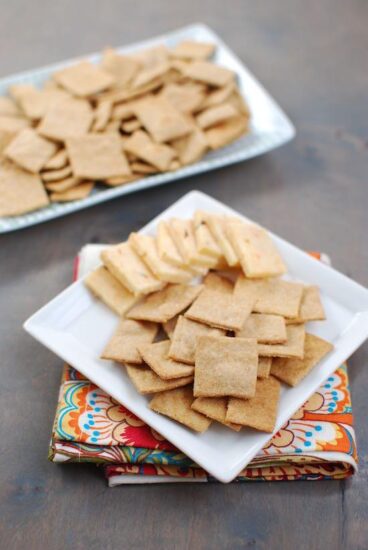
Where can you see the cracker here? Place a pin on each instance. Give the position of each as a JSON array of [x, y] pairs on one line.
[[84, 79], [148, 74], [97, 156], [35, 103], [186, 98], [128, 336], [13, 124], [122, 67], [75, 193], [192, 147], [193, 50], [108, 289], [264, 367], [214, 408], [311, 308], [165, 304], [177, 405], [141, 145], [145, 247], [102, 115], [142, 168], [29, 150], [266, 329], [221, 310], [216, 225], [275, 296], [216, 115], [220, 284], [184, 339], [5, 138], [123, 111], [56, 175], [20, 192], [259, 412], [8, 107], [209, 73], [130, 126], [62, 185], [161, 119], [219, 95], [59, 160], [182, 233], [121, 180], [225, 367], [156, 357], [292, 371], [66, 119], [293, 347], [227, 132], [122, 262], [147, 381], [206, 243], [257, 253]]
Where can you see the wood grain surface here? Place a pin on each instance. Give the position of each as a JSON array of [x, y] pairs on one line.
[[312, 56]]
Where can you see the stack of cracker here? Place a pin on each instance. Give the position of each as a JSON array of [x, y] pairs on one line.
[[207, 323], [114, 122]]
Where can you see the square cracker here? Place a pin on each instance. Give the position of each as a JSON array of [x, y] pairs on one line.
[[147, 381], [311, 308], [29, 150], [62, 185], [214, 408], [257, 254], [275, 296], [184, 97], [156, 357], [161, 119], [13, 124], [123, 262], [209, 73], [216, 225], [146, 248], [75, 193], [292, 371], [192, 147], [141, 145], [9, 107], [66, 119], [84, 79], [56, 175], [259, 412], [108, 289], [182, 233], [216, 282], [184, 339], [34, 103], [177, 404], [191, 49], [129, 335], [20, 192], [227, 132], [266, 329], [221, 310], [216, 115], [59, 160], [165, 304], [293, 347], [123, 68], [225, 367], [264, 367], [97, 156], [206, 243]]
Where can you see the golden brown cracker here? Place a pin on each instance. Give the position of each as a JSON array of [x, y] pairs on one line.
[[227, 132], [225, 367], [147, 381], [266, 329], [214, 408], [216, 224], [13, 124], [59, 160], [29, 150], [20, 192], [311, 308], [75, 193], [216, 115], [141, 145], [193, 50], [259, 412], [216, 282], [62, 185], [165, 304], [66, 119], [186, 98], [292, 371], [182, 233], [108, 289], [128, 336], [84, 79], [184, 339], [206, 243], [176, 404], [102, 115], [209, 73], [56, 175], [293, 347], [123, 67], [264, 367], [156, 357]]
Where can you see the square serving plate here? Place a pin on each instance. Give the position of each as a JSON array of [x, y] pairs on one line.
[[76, 326], [270, 127]]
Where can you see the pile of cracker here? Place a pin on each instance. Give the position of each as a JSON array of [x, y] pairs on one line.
[[207, 323], [114, 122]]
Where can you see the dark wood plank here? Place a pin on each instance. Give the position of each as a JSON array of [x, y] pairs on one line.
[[312, 57]]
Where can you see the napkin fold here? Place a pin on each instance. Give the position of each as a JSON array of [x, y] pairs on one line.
[[318, 442]]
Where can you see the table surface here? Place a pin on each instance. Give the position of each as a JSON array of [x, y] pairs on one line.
[[312, 57]]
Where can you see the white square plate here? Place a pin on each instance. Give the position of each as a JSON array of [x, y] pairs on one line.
[[270, 127], [76, 327]]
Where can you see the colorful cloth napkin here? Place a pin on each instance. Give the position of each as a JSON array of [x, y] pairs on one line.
[[318, 442]]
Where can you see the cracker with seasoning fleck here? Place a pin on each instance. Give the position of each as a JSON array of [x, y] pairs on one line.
[[266, 329], [293, 347], [108, 289], [156, 356], [214, 408], [184, 338], [128, 336]]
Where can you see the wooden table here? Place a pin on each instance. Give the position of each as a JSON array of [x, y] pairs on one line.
[[312, 56]]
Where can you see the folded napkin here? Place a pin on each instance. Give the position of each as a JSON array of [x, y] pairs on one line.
[[318, 442]]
